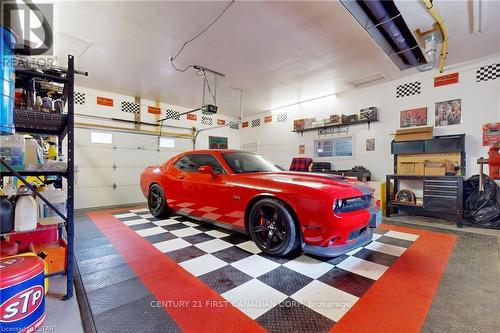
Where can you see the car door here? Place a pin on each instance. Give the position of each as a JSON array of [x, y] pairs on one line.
[[203, 195]]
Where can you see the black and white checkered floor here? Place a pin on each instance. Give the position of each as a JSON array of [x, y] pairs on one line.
[[315, 291]]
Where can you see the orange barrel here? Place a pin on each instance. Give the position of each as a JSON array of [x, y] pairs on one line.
[[22, 293]]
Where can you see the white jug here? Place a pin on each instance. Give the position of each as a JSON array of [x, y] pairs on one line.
[[25, 216]]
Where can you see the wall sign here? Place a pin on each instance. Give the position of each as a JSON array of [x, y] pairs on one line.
[[190, 116], [445, 80], [104, 101], [217, 142], [370, 144], [302, 149], [221, 122], [244, 124], [413, 117], [491, 134], [448, 112], [268, 119], [154, 110]]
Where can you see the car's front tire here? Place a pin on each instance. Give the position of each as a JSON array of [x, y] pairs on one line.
[[157, 202], [272, 227]]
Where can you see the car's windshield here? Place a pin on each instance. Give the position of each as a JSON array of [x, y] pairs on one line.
[[242, 162]]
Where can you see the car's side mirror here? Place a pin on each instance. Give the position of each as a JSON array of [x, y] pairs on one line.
[[206, 170]]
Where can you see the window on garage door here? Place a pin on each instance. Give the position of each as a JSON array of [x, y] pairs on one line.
[[191, 163]]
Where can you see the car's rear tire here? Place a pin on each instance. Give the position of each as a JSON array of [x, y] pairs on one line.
[[272, 227], [157, 202]]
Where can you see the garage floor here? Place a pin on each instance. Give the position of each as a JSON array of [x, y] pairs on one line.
[[141, 273]]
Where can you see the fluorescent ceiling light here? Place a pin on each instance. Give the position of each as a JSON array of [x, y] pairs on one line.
[[366, 79], [477, 16]]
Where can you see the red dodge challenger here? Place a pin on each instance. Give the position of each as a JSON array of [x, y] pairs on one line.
[[322, 214]]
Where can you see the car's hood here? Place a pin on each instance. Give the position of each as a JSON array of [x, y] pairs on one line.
[[319, 181]]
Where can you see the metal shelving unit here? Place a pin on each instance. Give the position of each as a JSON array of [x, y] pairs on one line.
[[61, 125]]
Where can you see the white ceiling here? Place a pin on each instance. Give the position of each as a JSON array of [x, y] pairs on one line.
[[278, 52]]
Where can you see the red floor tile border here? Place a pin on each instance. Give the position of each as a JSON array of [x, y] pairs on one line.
[[401, 298], [195, 308], [397, 302]]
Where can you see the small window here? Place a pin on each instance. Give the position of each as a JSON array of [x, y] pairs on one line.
[[101, 137], [338, 147], [167, 143], [191, 163]]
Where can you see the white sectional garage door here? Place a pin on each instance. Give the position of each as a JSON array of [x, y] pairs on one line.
[[109, 174]]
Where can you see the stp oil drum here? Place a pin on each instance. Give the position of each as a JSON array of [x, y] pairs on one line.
[[22, 293]]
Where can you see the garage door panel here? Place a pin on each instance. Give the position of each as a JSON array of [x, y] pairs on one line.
[[135, 158], [128, 176], [95, 197], [128, 194], [94, 156], [95, 177]]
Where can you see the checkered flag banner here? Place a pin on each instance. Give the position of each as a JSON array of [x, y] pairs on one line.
[[408, 89], [256, 122], [131, 107], [206, 120], [281, 117], [79, 98], [234, 126], [172, 114], [490, 72]]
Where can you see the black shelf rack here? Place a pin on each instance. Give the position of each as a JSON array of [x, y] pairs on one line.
[[61, 125]]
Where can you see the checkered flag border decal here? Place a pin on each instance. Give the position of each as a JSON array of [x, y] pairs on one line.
[[234, 126], [486, 73], [131, 107], [172, 114], [206, 120], [408, 89], [79, 98], [281, 117], [256, 122]]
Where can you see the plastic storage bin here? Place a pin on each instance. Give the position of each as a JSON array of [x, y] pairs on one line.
[[12, 148]]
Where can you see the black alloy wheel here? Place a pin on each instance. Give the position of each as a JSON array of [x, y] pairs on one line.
[[157, 203], [272, 227]]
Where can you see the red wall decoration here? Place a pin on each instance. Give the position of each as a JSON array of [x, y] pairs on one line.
[[154, 110], [446, 80], [104, 101], [491, 134]]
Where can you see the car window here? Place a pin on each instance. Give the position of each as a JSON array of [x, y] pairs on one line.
[[243, 162], [191, 163]]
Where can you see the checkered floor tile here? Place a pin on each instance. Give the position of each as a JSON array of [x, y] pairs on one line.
[[300, 289]]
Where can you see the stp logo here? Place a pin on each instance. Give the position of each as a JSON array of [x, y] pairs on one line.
[[21, 305]]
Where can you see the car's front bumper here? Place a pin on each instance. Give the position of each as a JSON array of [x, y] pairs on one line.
[[338, 250]]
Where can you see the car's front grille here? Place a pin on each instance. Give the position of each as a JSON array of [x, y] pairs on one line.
[[352, 204]]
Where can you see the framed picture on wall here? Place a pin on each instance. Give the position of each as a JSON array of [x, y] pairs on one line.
[[448, 112], [370, 144], [217, 142], [413, 117]]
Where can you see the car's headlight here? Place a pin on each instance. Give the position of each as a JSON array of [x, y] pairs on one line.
[[352, 204]]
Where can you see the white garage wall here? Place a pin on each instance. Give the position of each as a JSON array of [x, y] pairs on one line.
[[480, 105], [108, 174]]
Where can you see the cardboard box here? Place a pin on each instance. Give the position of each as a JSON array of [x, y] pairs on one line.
[[349, 119], [434, 168], [411, 168], [415, 133], [335, 119], [308, 122]]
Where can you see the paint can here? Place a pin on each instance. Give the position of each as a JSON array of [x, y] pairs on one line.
[[22, 292]]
